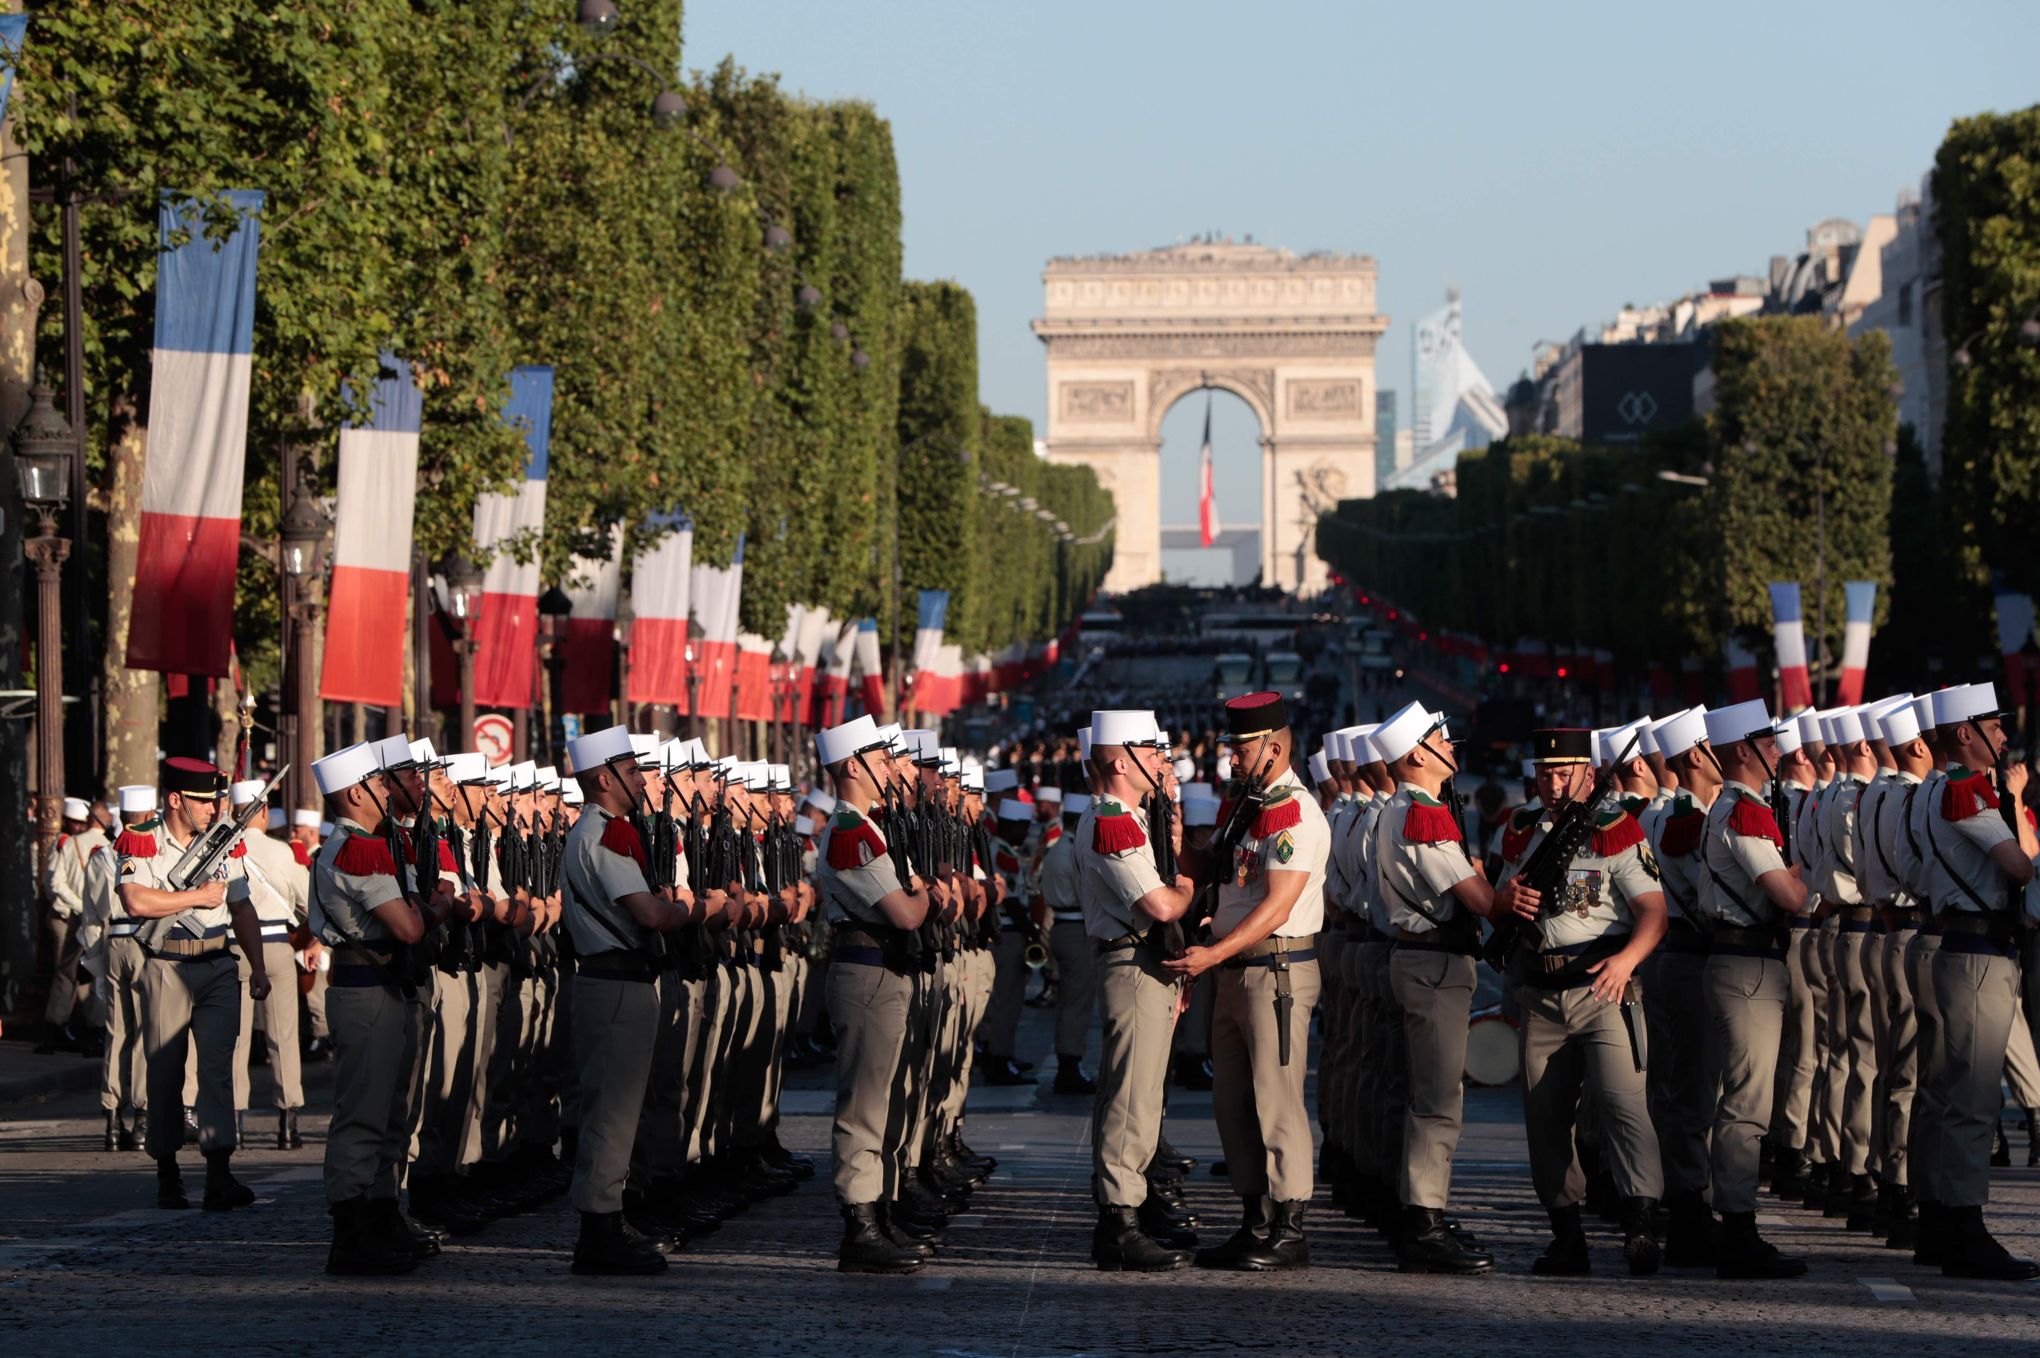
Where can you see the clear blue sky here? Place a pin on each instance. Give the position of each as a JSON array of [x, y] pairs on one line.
[[1554, 161]]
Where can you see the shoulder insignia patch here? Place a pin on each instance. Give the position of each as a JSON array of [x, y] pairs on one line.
[[1283, 847]]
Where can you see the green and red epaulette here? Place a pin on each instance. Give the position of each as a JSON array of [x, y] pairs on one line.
[[1521, 829], [1284, 812], [137, 841], [365, 856], [1614, 831], [297, 851], [1751, 818], [1966, 796], [1049, 836], [853, 842], [1683, 828], [1429, 821], [1115, 829], [621, 838], [1005, 860]]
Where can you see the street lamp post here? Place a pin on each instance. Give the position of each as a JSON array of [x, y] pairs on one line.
[[301, 551], [464, 588], [44, 447], [554, 608]]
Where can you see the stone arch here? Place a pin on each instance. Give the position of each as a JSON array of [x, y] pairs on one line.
[[1127, 336]]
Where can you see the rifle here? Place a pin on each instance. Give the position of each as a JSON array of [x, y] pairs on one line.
[[1781, 811], [202, 858], [1545, 872], [1241, 811], [1161, 821]]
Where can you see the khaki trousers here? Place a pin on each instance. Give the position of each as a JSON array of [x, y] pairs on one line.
[[870, 1008], [1683, 1072], [1333, 1075], [2022, 1069], [660, 1150], [725, 1002], [1077, 971], [1009, 992], [279, 1014], [1898, 1061], [1746, 999], [748, 1044], [694, 1015], [1800, 1060], [1137, 1010], [315, 1005], [1831, 1083], [67, 991], [124, 1067], [1255, 1099], [552, 1092], [918, 1087], [483, 1022], [1384, 1073], [1573, 1041], [959, 1023], [502, 1003], [191, 1010], [1853, 1033], [446, 1074], [615, 1027], [1434, 991], [375, 1046], [1979, 1000], [1923, 1146]]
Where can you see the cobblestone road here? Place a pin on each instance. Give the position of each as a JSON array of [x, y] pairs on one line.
[[86, 1265]]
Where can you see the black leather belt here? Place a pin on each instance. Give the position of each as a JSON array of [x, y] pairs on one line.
[[1993, 928], [353, 977], [859, 955], [617, 965], [1269, 959], [1682, 937], [1760, 941]]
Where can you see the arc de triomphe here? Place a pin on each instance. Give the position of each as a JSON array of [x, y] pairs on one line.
[[1291, 335]]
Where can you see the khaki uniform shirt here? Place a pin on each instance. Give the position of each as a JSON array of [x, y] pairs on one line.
[[343, 904], [1683, 870], [1416, 879], [1838, 832], [1110, 884], [277, 886], [595, 877], [1599, 888], [850, 894], [68, 860], [1303, 847], [1734, 860], [1960, 849], [155, 871], [1059, 879], [1876, 854]]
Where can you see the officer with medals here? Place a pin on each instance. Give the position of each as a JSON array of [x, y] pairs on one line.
[[1270, 909], [611, 913], [1582, 1028], [191, 984], [872, 981], [1124, 901], [1749, 892]]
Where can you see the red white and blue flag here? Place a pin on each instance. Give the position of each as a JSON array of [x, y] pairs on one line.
[[1861, 599], [366, 636], [589, 679], [506, 632], [718, 591], [870, 668], [198, 440], [1207, 503], [659, 592], [1788, 639]]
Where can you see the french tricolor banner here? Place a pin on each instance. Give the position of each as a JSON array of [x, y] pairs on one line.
[[718, 590], [1861, 598], [589, 678], [870, 667], [660, 578], [366, 635], [198, 439], [755, 697], [1788, 639], [837, 654], [2015, 629], [1743, 685], [506, 633], [932, 615], [802, 645]]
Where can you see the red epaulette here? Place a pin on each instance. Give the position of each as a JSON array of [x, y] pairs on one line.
[[1514, 841], [1753, 819], [297, 851], [854, 844], [1004, 861], [133, 845], [1966, 796], [1051, 835], [620, 837], [1682, 834], [1116, 834], [1613, 838], [1428, 823], [1286, 814], [446, 863], [365, 856], [240, 849]]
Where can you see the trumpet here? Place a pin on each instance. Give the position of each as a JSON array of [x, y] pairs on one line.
[[1035, 955]]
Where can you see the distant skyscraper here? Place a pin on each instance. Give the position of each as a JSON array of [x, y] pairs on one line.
[[1454, 407], [1384, 436]]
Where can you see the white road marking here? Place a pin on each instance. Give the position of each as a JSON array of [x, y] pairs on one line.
[[1887, 1289], [932, 1284], [1766, 1219]]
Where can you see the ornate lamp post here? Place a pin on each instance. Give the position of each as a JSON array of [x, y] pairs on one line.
[[464, 591], [301, 552], [554, 608], [44, 447]]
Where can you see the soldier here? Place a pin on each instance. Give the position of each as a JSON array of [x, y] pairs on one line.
[[611, 912], [1580, 1004], [1270, 909], [1009, 985], [1068, 942], [1852, 1051], [871, 995], [1793, 1143], [1432, 893], [64, 888], [1981, 865], [1748, 890], [277, 887], [1681, 1073], [1125, 902], [123, 1077], [191, 984]]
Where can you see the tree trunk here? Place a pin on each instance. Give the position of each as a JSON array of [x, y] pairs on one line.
[[133, 711], [226, 707]]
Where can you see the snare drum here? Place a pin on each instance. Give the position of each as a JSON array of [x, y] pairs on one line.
[[1493, 1053]]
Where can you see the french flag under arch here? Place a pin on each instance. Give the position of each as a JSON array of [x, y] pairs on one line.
[[506, 632], [1861, 598], [365, 616], [718, 593], [1788, 639], [589, 678], [198, 439], [660, 580]]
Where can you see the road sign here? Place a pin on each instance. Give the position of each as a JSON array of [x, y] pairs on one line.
[[493, 738]]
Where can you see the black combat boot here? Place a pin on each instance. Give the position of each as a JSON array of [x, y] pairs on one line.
[[640, 1216], [1119, 1245], [1788, 1181], [223, 1192], [2033, 1138], [1841, 1194], [112, 1128], [1929, 1235], [170, 1184], [605, 1250], [288, 1137], [1165, 1227], [2000, 1147], [1566, 1256], [437, 1201], [1692, 1236], [865, 1248], [356, 1251], [1971, 1252], [1257, 1215], [1284, 1248], [924, 1250], [1192, 1071], [130, 1129], [397, 1233], [1070, 1078], [1639, 1246], [1905, 1222], [1862, 1203], [1169, 1158], [1426, 1244], [1745, 1254], [1003, 1070]]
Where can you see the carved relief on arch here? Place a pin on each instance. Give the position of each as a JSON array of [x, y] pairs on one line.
[[1255, 385]]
